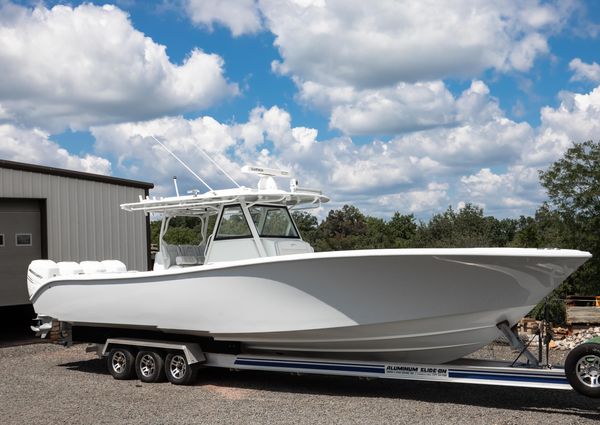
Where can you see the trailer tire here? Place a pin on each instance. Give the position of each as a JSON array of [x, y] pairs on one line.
[[149, 366], [178, 370], [582, 368], [121, 363]]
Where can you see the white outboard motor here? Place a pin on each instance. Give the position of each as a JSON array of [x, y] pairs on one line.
[[38, 273], [114, 266], [69, 268], [90, 267]]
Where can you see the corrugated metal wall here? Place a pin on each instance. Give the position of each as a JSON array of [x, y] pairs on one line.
[[84, 220]]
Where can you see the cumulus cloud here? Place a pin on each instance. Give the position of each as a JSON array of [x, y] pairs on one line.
[[139, 156], [75, 67], [375, 44], [483, 134], [404, 173], [429, 199], [514, 191], [405, 107], [378, 67], [240, 16], [576, 119], [484, 158], [268, 139], [584, 71], [34, 146]]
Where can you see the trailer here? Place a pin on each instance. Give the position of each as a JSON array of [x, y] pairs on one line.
[[180, 361], [155, 356]]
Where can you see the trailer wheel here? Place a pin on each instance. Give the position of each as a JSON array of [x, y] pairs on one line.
[[120, 363], [582, 368], [177, 369], [149, 366]]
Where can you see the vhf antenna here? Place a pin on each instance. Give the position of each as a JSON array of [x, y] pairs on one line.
[[183, 163], [176, 188]]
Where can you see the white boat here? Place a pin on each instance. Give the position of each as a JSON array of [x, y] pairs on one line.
[[255, 286]]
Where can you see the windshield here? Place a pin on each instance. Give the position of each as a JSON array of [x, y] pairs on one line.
[[233, 224], [273, 222]]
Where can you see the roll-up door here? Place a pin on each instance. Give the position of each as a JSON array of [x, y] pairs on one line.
[[20, 243]]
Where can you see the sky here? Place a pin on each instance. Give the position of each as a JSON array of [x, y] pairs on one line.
[[392, 106]]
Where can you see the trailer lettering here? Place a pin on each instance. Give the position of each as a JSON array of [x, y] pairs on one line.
[[400, 369]]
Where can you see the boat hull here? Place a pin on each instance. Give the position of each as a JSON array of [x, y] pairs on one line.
[[402, 305]]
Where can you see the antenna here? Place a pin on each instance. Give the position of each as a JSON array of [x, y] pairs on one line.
[[262, 171], [183, 163], [175, 183], [218, 166]]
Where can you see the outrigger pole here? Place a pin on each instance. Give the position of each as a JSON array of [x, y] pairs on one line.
[[184, 164], [219, 167]]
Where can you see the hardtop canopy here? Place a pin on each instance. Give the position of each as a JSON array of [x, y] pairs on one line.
[[209, 202]]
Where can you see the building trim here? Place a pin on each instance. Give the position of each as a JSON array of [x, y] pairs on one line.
[[41, 169], [150, 265], [44, 227]]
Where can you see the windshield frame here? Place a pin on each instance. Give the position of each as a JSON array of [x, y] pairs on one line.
[[216, 236], [271, 206]]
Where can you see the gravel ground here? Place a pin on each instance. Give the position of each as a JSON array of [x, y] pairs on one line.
[[43, 383]]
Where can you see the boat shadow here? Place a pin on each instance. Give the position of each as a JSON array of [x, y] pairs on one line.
[[95, 366], [496, 397], [558, 402]]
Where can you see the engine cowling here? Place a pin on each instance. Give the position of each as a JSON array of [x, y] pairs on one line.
[[38, 273]]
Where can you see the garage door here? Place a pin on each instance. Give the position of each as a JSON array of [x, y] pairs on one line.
[[20, 243]]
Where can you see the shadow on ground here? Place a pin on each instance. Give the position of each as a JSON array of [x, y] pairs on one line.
[[15, 322], [558, 402], [95, 366]]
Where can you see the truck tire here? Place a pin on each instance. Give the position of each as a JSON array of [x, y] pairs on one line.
[[582, 369], [149, 366], [177, 369], [120, 363]]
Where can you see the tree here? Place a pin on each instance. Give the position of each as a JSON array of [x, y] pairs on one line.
[[573, 182], [467, 227], [376, 235], [401, 230], [307, 224], [179, 235], [573, 186], [182, 230], [545, 230], [342, 229]]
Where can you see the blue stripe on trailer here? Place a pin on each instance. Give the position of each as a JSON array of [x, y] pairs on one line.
[[503, 376], [295, 364]]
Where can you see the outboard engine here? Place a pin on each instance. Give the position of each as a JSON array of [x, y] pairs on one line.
[[38, 273]]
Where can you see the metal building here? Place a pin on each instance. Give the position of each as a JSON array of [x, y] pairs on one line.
[[65, 215]]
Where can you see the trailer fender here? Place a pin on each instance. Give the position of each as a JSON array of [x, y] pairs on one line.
[[192, 351]]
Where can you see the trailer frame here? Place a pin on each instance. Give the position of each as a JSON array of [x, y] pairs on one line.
[[465, 371]]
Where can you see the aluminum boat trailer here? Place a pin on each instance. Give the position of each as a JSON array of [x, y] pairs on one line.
[[152, 361]]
